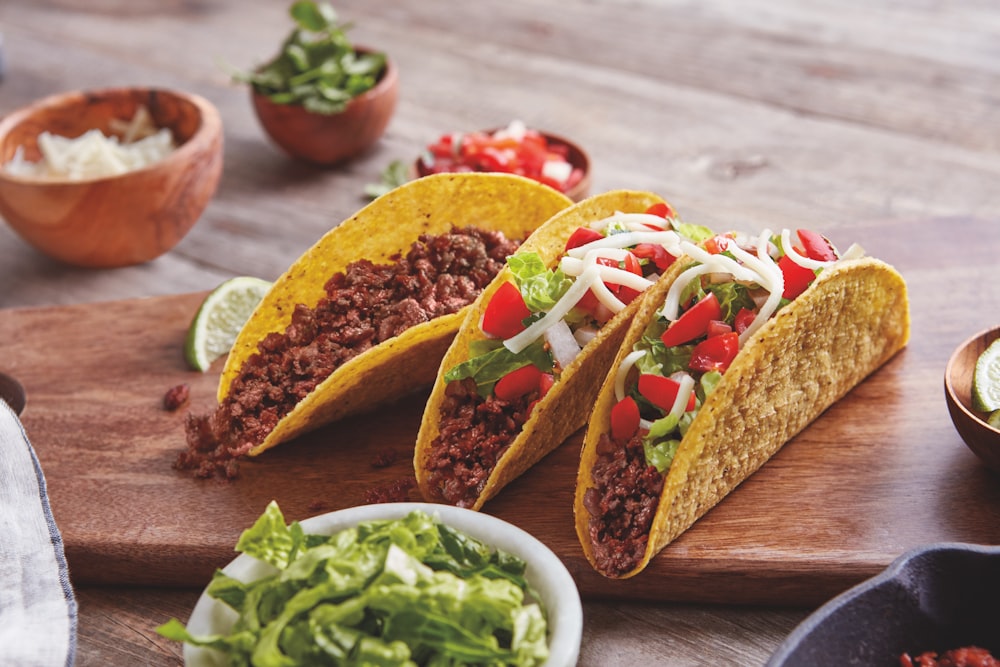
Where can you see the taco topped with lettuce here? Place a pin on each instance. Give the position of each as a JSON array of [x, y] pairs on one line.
[[751, 341], [382, 292], [524, 368]]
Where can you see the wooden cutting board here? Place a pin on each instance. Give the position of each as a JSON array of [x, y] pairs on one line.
[[878, 473]]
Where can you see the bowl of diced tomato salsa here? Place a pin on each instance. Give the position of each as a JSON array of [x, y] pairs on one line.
[[514, 149]]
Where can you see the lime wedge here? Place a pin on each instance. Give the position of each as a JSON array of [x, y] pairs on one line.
[[219, 319], [994, 419], [986, 379]]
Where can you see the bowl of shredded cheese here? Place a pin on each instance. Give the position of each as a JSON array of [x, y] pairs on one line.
[[109, 178]]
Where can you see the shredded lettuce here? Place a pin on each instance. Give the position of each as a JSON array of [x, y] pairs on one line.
[[540, 287], [404, 592], [486, 367], [696, 233]]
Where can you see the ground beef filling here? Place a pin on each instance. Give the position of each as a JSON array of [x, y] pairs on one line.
[[474, 432], [364, 306], [622, 504]]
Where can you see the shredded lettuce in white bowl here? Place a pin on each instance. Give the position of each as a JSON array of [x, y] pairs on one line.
[[386, 584]]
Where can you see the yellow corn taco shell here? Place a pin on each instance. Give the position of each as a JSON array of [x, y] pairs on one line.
[[847, 324], [386, 227], [564, 409]]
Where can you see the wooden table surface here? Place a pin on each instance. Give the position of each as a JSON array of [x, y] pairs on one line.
[[776, 113]]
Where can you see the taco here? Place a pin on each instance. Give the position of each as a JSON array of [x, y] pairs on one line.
[[365, 315], [725, 361], [523, 370]]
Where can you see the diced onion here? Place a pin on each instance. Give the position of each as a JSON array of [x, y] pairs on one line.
[[562, 344], [557, 170], [584, 335], [558, 311]]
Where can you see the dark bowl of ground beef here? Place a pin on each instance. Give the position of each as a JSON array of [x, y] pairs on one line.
[[934, 605]]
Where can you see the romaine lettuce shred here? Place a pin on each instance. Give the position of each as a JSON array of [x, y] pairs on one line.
[[407, 592]]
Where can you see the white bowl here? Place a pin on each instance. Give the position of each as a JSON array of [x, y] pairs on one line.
[[545, 572]]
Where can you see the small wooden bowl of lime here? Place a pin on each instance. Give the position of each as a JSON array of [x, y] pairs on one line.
[[972, 391]]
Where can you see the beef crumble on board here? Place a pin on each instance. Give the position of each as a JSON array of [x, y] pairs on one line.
[[364, 305]]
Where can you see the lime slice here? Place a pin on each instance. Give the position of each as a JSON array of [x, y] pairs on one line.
[[219, 319], [994, 419], [986, 379]]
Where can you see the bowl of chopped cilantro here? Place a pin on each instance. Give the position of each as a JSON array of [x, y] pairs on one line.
[[321, 98], [392, 583]]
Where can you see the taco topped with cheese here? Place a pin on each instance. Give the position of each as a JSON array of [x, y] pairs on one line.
[[751, 341], [524, 368], [365, 315]]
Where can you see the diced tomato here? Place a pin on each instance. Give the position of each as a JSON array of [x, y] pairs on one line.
[[717, 328], [632, 264], [717, 244], [505, 313], [715, 353], [624, 419], [744, 319], [662, 391], [797, 277], [656, 252], [499, 152], [628, 294], [517, 383], [693, 322], [583, 236], [590, 304], [661, 209], [816, 245], [545, 382]]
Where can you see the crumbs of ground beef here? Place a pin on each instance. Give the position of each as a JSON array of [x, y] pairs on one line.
[[394, 492], [384, 458], [364, 305], [473, 433], [176, 397], [622, 504]]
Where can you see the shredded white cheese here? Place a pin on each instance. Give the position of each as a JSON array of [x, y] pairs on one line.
[[581, 263], [94, 155], [623, 370]]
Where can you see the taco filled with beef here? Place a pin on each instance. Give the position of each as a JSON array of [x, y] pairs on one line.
[[724, 363], [523, 370], [365, 315]]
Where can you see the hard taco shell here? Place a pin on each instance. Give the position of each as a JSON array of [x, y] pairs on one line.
[[384, 228], [564, 409], [849, 322]]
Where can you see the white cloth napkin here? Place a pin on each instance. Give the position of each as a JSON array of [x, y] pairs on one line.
[[38, 613]]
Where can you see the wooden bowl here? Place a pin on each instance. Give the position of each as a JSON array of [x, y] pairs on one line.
[[971, 424], [574, 153], [327, 140], [118, 220]]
